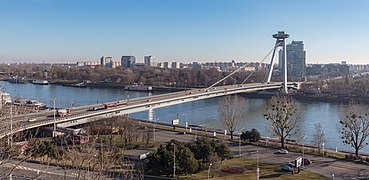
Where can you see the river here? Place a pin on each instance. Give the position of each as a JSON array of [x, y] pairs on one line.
[[203, 112]]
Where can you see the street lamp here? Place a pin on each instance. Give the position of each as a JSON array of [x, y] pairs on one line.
[[239, 142], [155, 119], [257, 166], [303, 149], [186, 121], [209, 170], [54, 118], [174, 160], [11, 125]]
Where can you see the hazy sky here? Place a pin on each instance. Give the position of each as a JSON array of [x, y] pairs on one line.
[[181, 30]]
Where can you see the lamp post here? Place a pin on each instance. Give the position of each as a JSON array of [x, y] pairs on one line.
[[174, 160], [155, 119], [11, 125], [239, 142], [54, 118], [209, 170], [257, 166], [303, 150], [186, 121], [323, 149]]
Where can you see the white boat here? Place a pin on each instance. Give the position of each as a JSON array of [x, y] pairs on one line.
[[138, 87], [41, 82]]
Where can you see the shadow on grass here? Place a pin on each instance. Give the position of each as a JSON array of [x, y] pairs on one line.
[[276, 174], [270, 176]]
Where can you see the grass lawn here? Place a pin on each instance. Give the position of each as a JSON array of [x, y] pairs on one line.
[[267, 171]]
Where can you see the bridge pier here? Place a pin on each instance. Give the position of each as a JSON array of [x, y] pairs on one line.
[[280, 41]]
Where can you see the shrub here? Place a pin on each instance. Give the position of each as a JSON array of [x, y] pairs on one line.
[[252, 136], [233, 170]]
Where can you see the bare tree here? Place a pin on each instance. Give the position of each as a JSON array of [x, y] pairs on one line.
[[319, 137], [354, 126], [129, 130], [231, 109], [147, 135], [284, 116]]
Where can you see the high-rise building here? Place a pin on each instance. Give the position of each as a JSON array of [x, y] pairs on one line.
[[175, 65], [128, 61], [150, 60], [106, 60], [165, 64], [296, 60]]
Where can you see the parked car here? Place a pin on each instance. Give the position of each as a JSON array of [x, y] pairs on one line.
[[307, 161], [291, 163], [286, 167], [281, 151]]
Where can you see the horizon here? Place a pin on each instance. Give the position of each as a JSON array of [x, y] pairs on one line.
[[55, 31]]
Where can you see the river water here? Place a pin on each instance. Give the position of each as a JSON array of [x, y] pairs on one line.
[[203, 112]]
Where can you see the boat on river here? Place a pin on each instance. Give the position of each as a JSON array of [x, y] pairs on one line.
[[138, 87], [41, 82]]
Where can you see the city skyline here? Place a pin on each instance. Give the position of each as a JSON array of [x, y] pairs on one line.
[[182, 31]]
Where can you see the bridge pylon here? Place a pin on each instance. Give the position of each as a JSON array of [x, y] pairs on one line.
[[280, 37]]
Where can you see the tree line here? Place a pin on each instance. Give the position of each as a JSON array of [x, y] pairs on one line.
[[187, 77]]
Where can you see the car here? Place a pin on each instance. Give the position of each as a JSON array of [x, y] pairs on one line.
[[31, 119], [182, 132], [282, 151], [307, 161], [291, 163], [286, 167]]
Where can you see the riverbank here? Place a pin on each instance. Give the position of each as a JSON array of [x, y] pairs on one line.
[[311, 97], [110, 85]]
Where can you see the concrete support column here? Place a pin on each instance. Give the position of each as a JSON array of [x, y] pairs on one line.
[[285, 66]]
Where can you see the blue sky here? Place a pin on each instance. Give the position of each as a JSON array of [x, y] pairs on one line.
[[181, 30]]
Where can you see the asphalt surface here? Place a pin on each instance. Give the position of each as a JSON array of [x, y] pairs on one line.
[[320, 165]]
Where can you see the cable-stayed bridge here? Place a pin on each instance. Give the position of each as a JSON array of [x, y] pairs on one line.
[[90, 113]]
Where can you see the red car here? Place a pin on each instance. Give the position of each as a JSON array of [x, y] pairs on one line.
[[307, 161]]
